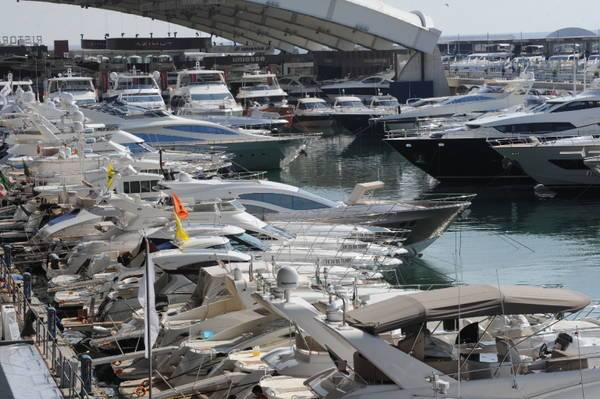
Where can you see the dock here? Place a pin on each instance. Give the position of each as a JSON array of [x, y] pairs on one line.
[[38, 343]]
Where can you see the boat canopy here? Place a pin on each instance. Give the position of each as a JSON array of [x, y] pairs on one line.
[[464, 301]]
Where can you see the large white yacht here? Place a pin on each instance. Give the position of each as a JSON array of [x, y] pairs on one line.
[[478, 101], [272, 201], [364, 88], [465, 154], [137, 89], [80, 87], [254, 150], [203, 92]]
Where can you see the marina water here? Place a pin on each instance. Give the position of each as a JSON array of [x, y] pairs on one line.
[[508, 235]]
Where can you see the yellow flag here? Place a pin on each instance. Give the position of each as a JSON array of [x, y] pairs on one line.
[[110, 175], [180, 233]]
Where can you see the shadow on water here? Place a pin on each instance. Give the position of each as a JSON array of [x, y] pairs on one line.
[[507, 235]]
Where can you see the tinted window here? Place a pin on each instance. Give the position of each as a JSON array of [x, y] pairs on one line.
[[146, 186], [525, 128], [126, 188], [134, 187], [578, 106], [284, 201]]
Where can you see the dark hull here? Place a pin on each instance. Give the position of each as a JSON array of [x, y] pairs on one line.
[[355, 123], [460, 160], [425, 220]]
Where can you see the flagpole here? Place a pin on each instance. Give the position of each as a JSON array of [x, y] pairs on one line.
[[147, 316]]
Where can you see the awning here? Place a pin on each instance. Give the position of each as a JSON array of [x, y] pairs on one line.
[[464, 301]]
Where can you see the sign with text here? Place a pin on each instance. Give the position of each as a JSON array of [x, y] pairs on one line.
[[21, 40]]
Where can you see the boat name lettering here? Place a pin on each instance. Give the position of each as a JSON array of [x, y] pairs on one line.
[[13, 40], [335, 261], [248, 60]]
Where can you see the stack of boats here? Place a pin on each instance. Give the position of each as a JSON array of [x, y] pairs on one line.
[[261, 288]]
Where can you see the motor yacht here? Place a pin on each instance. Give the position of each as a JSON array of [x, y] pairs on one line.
[[80, 87], [281, 202], [559, 165], [200, 92], [261, 89], [478, 101], [481, 63], [350, 113], [465, 154], [136, 89], [253, 150], [370, 360], [313, 115], [298, 87], [364, 88]]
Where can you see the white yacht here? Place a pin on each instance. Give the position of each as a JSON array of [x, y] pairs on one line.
[[465, 154], [137, 89], [80, 87], [271, 201], [203, 92], [559, 165], [298, 87], [386, 350], [253, 150], [478, 101], [10, 88], [481, 63], [364, 88], [353, 115], [313, 114], [260, 89]]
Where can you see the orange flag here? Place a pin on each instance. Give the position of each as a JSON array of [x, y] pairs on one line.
[[178, 207]]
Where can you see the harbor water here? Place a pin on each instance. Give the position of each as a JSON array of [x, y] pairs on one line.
[[508, 235]]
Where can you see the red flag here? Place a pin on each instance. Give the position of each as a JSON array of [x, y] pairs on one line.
[[178, 207]]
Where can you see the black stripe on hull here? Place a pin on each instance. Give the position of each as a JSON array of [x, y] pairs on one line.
[[460, 160]]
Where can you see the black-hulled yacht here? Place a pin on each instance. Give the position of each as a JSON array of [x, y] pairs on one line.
[[464, 154]]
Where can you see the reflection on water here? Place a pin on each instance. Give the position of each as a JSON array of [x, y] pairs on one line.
[[508, 235]]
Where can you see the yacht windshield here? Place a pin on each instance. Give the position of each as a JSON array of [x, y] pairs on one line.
[[141, 82], [276, 231], [139, 148], [71, 85], [246, 242], [316, 105], [212, 97], [543, 107], [142, 99], [349, 104], [196, 79]]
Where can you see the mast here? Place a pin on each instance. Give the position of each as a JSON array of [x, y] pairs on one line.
[[147, 317]]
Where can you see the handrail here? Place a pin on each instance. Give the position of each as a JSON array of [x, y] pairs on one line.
[[64, 368]]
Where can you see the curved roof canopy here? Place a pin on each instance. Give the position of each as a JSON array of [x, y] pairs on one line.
[[287, 24], [567, 33], [464, 301]]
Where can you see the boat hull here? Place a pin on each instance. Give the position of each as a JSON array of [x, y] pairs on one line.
[[470, 160], [426, 220]]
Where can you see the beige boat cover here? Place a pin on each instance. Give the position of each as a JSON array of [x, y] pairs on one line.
[[464, 301]]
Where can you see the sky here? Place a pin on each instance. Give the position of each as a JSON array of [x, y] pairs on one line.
[[452, 17]]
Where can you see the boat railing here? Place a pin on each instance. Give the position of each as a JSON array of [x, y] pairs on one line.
[[448, 197], [244, 175], [66, 369]]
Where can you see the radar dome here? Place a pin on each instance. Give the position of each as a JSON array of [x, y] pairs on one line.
[[287, 278]]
